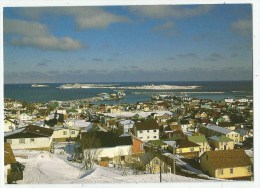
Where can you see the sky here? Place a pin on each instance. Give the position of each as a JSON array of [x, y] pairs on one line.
[[128, 43]]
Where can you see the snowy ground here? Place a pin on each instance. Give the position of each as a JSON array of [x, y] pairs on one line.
[[42, 167]]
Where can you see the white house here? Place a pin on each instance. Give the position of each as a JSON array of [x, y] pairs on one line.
[[110, 148], [31, 137], [10, 125], [25, 117], [147, 130], [127, 124]]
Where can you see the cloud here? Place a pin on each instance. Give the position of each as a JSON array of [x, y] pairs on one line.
[[214, 57], [165, 11], [42, 64], [242, 27], [168, 28], [85, 17], [188, 55], [36, 35], [97, 59], [54, 72]]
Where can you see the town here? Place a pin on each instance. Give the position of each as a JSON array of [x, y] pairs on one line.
[[168, 135]]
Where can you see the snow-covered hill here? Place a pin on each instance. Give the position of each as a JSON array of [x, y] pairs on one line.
[[45, 168]]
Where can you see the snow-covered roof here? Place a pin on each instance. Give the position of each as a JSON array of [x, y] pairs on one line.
[[170, 143]]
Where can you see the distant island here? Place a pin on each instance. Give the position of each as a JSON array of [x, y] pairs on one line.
[[114, 86]]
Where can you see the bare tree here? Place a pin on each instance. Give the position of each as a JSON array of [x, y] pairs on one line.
[[90, 146]]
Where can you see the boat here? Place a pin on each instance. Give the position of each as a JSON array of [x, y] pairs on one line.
[[39, 85]]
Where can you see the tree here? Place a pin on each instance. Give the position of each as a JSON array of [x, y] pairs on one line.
[[89, 144]]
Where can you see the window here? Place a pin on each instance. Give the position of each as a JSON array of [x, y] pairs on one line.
[[64, 132], [22, 141], [220, 171], [191, 149], [32, 140], [231, 170], [154, 131], [141, 146], [141, 137], [72, 132], [155, 137], [180, 150], [9, 141], [148, 131], [141, 131], [148, 137]]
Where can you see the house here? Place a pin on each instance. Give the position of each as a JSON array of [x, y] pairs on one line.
[[226, 164], [202, 141], [147, 130], [126, 124], [31, 137], [154, 163], [63, 134], [228, 125], [213, 130], [221, 143], [187, 148], [25, 117], [107, 147], [12, 169], [137, 147], [10, 125], [243, 134]]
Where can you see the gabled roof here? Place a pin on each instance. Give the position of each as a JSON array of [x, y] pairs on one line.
[[149, 124], [227, 158], [31, 131], [242, 132], [197, 139], [108, 139], [9, 155], [183, 143], [220, 138], [218, 129], [38, 130]]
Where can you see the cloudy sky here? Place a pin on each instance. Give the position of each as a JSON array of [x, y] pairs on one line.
[[127, 43]]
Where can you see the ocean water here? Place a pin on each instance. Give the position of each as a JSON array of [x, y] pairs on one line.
[[216, 90]]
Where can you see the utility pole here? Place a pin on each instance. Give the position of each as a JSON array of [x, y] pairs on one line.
[[174, 165]]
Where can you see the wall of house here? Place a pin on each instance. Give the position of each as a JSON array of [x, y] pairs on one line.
[[204, 146], [9, 126], [147, 135], [63, 134], [234, 136], [112, 152], [187, 150], [137, 147], [221, 145], [238, 172], [43, 143], [206, 166], [7, 168]]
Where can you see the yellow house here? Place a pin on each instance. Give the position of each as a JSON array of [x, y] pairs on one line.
[[153, 163], [187, 148], [226, 164], [221, 143], [63, 134], [202, 141]]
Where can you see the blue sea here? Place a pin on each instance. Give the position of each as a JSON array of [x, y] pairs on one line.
[[216, 90]]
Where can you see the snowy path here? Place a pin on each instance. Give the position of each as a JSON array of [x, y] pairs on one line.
[[44, 167]]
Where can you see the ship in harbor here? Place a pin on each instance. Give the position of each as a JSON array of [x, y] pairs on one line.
[[39, 85]]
